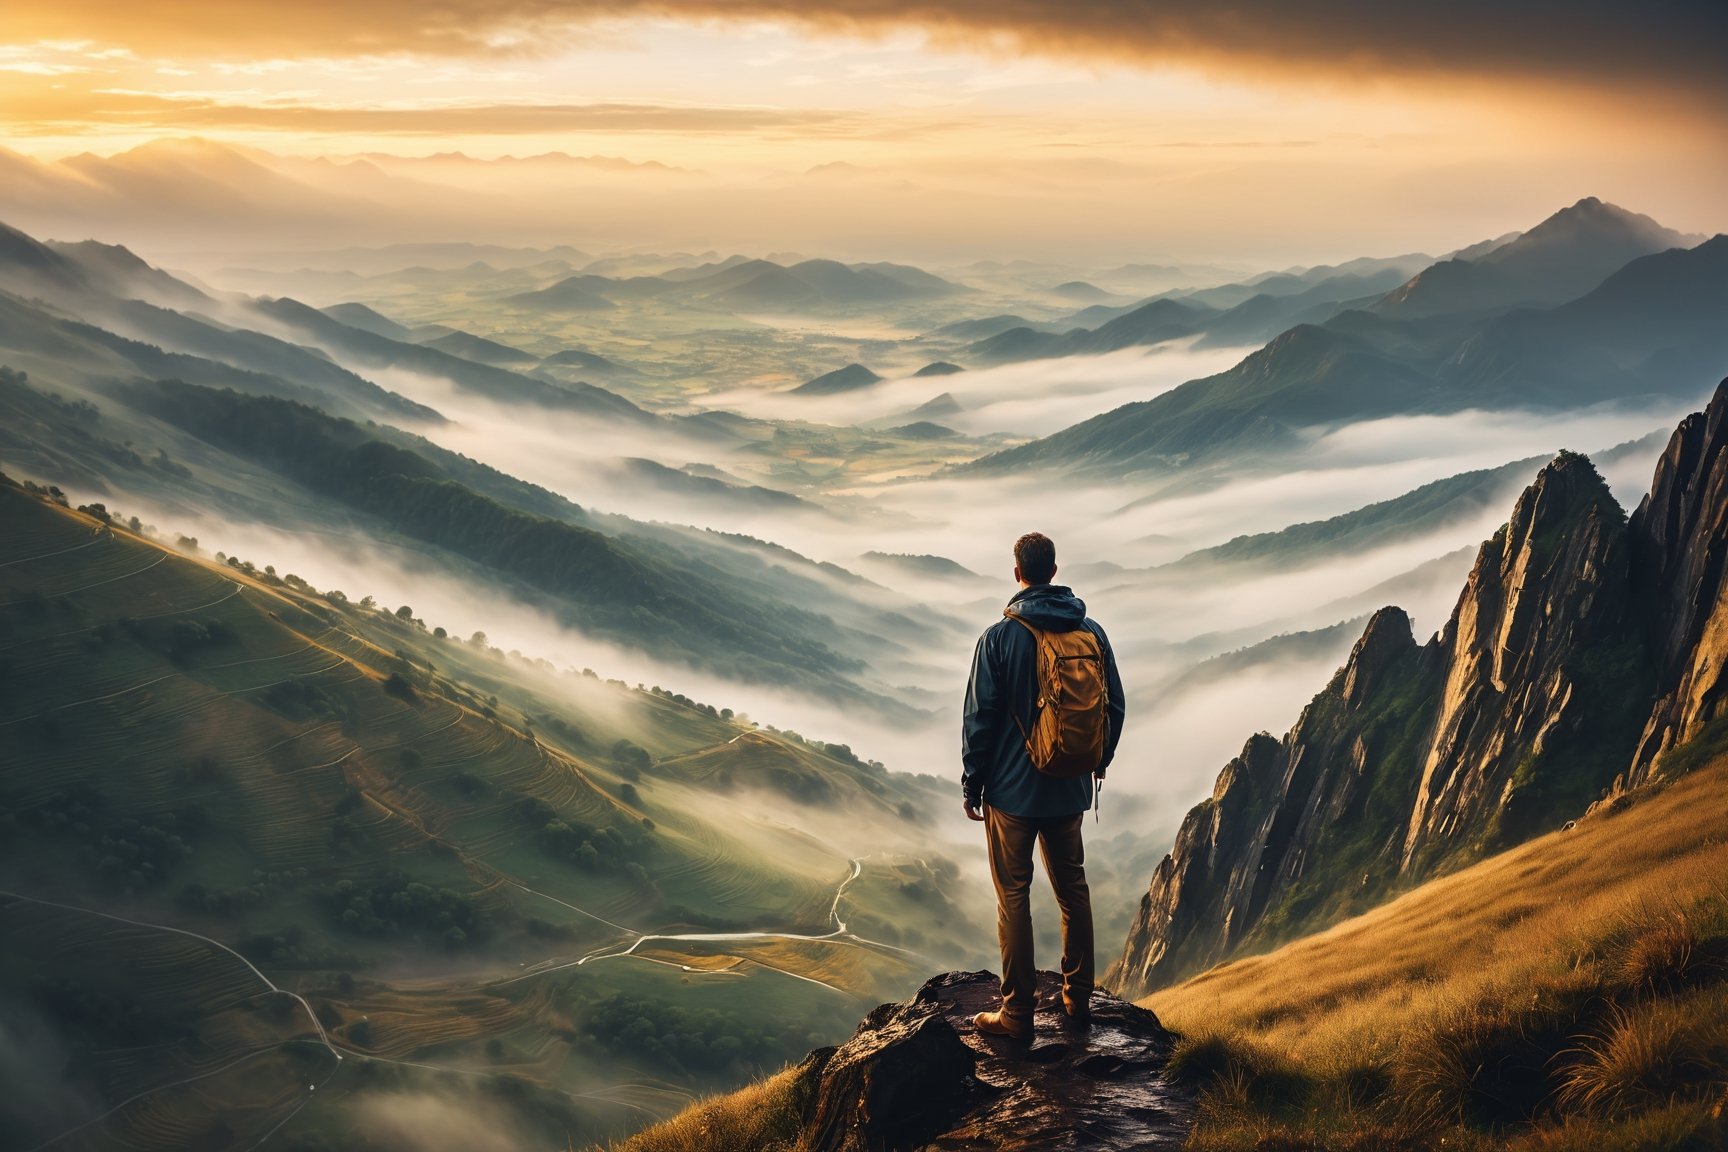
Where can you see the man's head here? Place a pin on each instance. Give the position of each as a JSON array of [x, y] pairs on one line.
[[1034, 559]]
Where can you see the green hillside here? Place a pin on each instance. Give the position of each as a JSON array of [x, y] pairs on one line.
[[423, 840]]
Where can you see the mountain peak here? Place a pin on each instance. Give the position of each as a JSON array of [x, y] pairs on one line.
[[847, 379], [1620, 233], [1387, 638]]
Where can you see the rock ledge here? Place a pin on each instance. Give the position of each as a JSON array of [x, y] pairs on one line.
[[916, 1075]]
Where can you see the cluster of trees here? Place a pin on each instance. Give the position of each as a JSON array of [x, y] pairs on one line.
[[104, 1018], [611, 849], [302, 698], [397, 906], [288, 947], [692, 1040], [231, 902], [130, 855], [179, 640], [632, 759], [679, 697]]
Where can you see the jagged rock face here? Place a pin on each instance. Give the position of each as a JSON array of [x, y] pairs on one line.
[[1546, 665], [1680, 541], [1271, 827], [1414, 759], [917, 1075]]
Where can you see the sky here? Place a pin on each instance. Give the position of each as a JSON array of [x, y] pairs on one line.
[[1178, 130]]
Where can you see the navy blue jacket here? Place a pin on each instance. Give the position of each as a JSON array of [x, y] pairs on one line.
[[1003, 685]]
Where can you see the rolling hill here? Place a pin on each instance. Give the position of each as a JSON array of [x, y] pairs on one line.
[[848, 379], [277, 854], [746, 285]]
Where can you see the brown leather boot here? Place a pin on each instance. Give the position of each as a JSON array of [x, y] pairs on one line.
[[996, 1024]]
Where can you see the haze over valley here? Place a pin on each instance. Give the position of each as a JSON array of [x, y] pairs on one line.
[[485, 601]]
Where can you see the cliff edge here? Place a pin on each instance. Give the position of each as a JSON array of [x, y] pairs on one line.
[[917, 1075]]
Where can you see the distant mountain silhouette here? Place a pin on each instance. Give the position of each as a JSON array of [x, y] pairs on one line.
[[588, 362], [120, 272], [29, 268], [924, 430], [935, 409], [1083, 292], [481, 350], [1151, 323], [847, 379], [744, 285], [565, 296], [704, 489], [368, 320], [985, 326], [1558, 260], [923, 565], [939, 368], [373, 351], [1652, 328]]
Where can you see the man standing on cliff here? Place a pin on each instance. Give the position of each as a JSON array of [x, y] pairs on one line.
[[1043, 716]]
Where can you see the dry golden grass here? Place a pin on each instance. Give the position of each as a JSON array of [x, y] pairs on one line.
[[1558, 902], [762, 1117], [1568, 993]]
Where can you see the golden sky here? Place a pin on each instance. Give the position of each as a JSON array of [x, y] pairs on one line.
[[1199, 128]]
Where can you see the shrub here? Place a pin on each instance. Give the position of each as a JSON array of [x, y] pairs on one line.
[[1648, 1056]]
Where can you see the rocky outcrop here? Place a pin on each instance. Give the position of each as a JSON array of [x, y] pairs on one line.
[[1546, 677], [1680, 535], [1268, 828], [917, 1075], [1415, 759]]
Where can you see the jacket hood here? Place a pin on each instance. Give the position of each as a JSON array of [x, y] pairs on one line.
[[1050, 607]]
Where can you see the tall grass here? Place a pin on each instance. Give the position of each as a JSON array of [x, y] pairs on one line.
[[1570, 993], [761, 1117]]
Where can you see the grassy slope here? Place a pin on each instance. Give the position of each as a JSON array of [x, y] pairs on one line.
[[264, 736], [1572, 992]]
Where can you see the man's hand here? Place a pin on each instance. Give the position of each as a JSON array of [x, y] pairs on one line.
[[972, 813]]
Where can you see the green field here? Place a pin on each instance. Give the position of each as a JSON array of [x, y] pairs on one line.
[[331, 833]]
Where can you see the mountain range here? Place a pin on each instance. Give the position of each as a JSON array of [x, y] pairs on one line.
[[749, 285], [1651, 328], [1583, 658]]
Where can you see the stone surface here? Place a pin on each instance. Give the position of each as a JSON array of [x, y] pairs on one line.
[[1680, 540], [1509, 722], [917, 1075]]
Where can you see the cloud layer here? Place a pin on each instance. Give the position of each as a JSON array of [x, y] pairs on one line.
[[1668, 44]]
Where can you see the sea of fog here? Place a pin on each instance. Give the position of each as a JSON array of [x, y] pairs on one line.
[[1112, 536]]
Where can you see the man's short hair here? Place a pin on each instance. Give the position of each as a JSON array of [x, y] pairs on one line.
[[1035, 556]]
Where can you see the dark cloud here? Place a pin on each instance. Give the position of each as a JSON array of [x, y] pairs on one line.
[[1669, 45]]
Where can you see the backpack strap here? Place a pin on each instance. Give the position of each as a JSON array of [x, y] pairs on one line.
[[1037, 638]]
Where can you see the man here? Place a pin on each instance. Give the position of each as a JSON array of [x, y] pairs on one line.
[[1022, 804]]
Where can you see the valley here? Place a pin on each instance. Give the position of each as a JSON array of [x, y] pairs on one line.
[[512, 692]]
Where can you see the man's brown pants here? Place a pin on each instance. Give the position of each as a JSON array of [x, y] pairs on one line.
[[1010, 841]]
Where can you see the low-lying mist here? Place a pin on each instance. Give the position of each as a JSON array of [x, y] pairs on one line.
[[1029, 399], [1161, 622]]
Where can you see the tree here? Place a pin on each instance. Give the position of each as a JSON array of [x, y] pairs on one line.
[[404, 613]]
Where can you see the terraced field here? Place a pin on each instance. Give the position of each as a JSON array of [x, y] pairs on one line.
[[353, 862]]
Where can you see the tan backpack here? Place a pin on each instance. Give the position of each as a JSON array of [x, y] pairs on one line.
[[1072, 727]]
